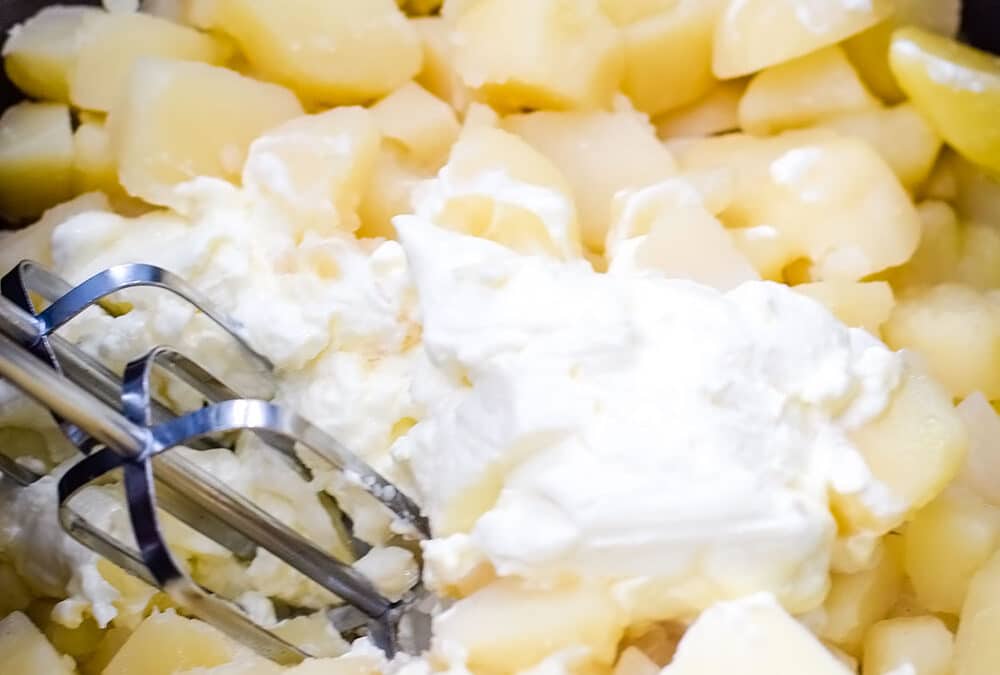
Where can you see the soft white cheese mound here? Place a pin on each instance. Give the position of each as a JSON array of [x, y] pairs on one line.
[[657, 434]]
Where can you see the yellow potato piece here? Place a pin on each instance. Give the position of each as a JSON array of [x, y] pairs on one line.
[[437, 73], [330, 51], [423, 124], [40, 53], [901, 135], [755, 34], [980, 257], [815, 195], [668, 55], [940, 250], [977, 651], [25, 651], [315, 167], [956, 330], [506, 627], [568, 54], [178, 120], [923, 642], [36, 158], [858, 304], [716, 113], [389, 191], [856, 601], [800, 92], [956, 86], [94, 166], [621, 151], [945, 544], [914, 448], [111, 44]]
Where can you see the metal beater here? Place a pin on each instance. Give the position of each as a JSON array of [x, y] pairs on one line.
[[118, 423]]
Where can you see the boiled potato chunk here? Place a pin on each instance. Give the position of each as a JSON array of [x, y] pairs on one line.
[[957, 87], [979, 266], [923, 642], [568, 54], [668, 55], [423, 124], [389, 192], [331, 51], [94, 165], [40, 53], [865, 305], [437, 73], [940, 250], [506, 627], [800, 92], [856, 601], [813, 195], [36, 158], [901, 135], [977, 651], [956, 330], [315, 167], [981, 473], [621, 151], [25, 651], [755, 34], [717, 112], [947, 542], [914, 448], [111, 43], [179, 119]]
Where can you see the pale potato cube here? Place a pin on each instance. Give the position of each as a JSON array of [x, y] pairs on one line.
[[956, 330], [978, 194], [924, 642], [715, 113], [980, 263], [860, 304], [78, 642], [977, 650], [40, 53], [767, 249], [621, 151], [389, 192], [981, 472], [104, 651], [111, 44], [914, 448], [668, 55], [94, 166], [330, 51], [945, 544], [25, 651], [800, 92], [816, 195], [567, 54], [755, 34], [437, 72], [178, 120], [36, 158], [423, 124], [941, 248], [751, 636], [316, 167], [506, 626], [856, 601]]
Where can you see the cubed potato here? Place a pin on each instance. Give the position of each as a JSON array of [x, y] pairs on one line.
[[715, 113], [94, 166], [178, 120], [802, 91], [330, 51], [389, 192], [977, 650], [111, 44], [817, 195], [977, 194], [980, 263], [506, 627], [956, 330], [40, 53], [25, 651], [856, 601], [923, 642], [621, 152], [497, 186], [941, 248], [104, 651], [865, 304], [945, 544], [914, 448], [437, 72], [36, 158], [316, 167], [981, 471], [767, 249], [568, 54], [668, 55], [423, 124], [78, 642], [755, 34]]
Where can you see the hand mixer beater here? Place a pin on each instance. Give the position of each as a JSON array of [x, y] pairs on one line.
[[121, 424]]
